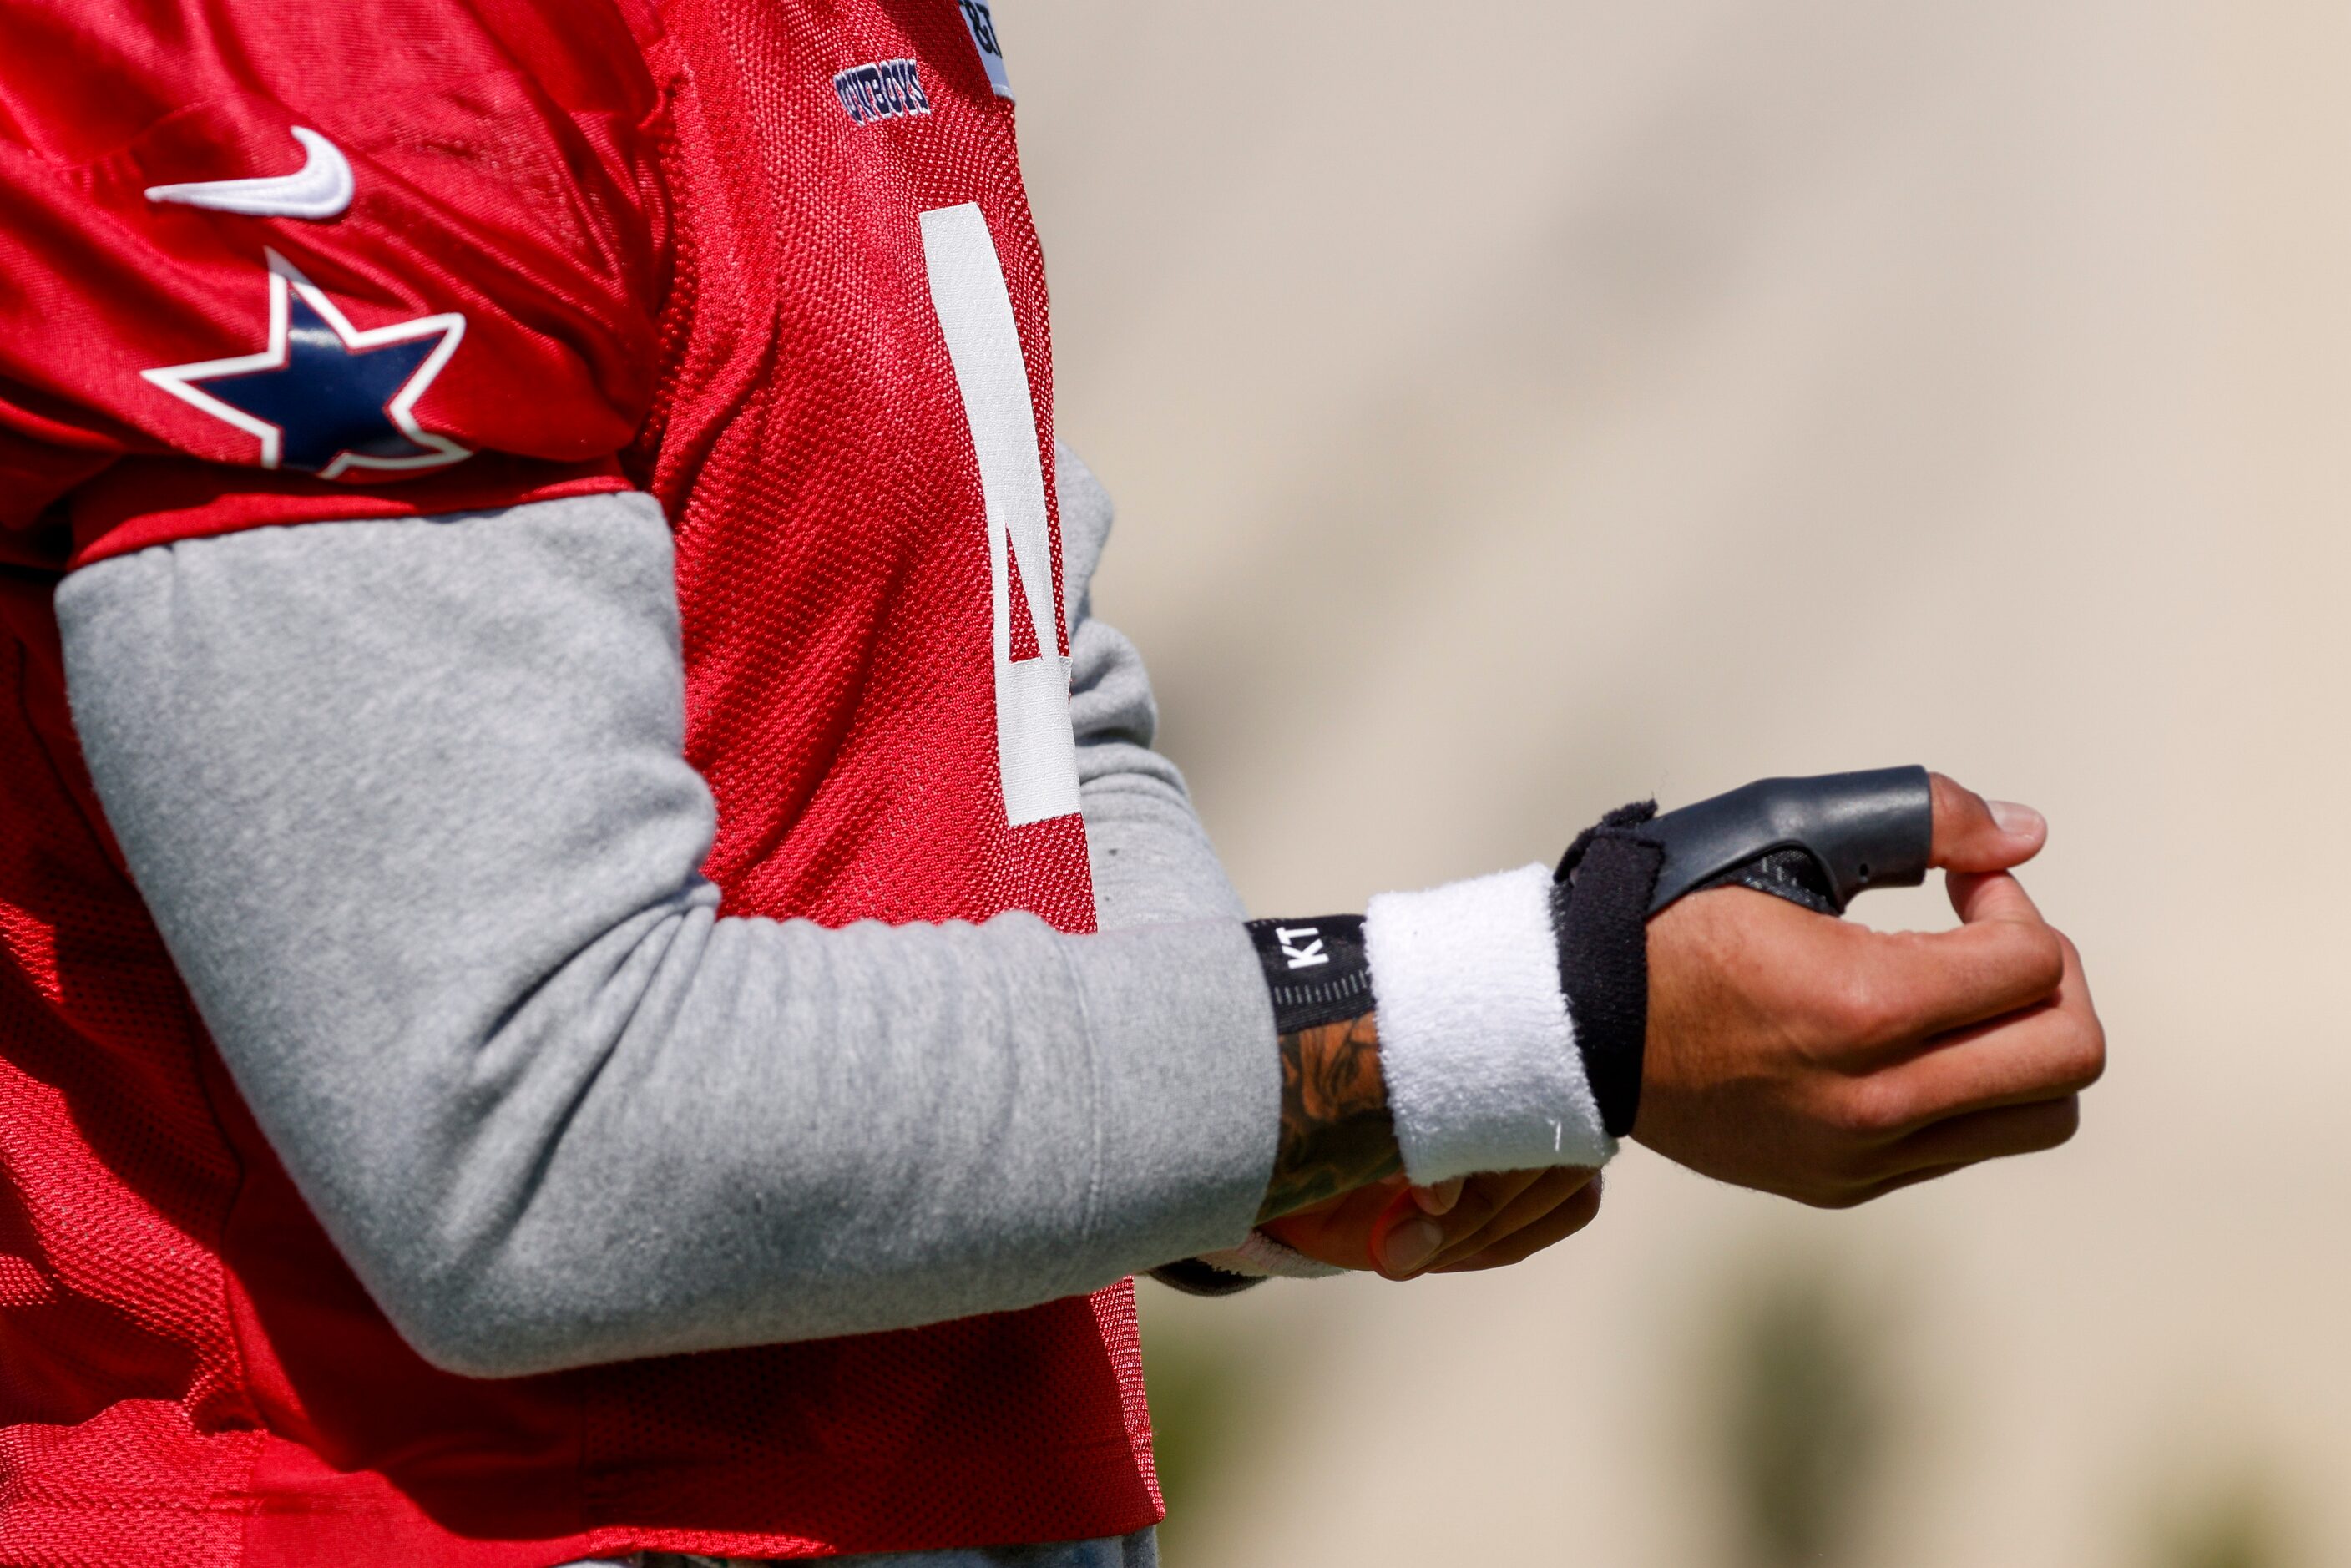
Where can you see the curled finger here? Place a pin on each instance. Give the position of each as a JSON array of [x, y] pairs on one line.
[[1982, 1135], [1580, 1210], [1406, 1239], [1533, 1203]]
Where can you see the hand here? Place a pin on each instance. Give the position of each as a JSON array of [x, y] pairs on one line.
[[1830, 1063], [1338, 1194], [1469, 1223]]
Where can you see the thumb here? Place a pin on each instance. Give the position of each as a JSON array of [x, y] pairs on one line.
[[1973, 834]]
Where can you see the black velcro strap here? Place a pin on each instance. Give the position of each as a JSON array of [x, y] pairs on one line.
[[1314, 969], [1600, 909]]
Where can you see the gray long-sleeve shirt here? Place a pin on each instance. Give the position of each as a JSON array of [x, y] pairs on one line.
[[408, 802]]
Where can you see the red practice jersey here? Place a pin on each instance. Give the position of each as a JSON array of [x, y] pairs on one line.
[[268, 261]]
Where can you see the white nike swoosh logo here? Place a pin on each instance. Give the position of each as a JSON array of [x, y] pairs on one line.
[[320, 189]]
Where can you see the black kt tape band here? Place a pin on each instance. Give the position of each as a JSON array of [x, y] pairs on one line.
[[1815, 841], [1315, 969], [1316, 973]]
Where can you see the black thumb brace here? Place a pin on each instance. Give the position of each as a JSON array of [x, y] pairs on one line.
[[1815, 841]]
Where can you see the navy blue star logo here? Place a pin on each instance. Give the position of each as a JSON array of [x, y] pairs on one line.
[[324, 397]]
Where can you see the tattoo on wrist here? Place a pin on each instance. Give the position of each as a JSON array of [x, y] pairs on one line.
[[1336, 1135]]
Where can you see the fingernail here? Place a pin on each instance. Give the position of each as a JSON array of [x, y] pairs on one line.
[[1412, 1243], [1440, 1198], [2022, 821]]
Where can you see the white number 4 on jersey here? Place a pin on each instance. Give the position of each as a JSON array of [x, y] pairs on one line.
[[1035, 750]]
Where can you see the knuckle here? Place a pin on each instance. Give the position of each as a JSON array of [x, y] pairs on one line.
[[1859, 1008], [1579, 1211], [2088, 1061], [2059, 1122], [2049, 971], [1838, 1197], [2039, 958], [1865, 1110], [2072, 1057], [2032, 1129]]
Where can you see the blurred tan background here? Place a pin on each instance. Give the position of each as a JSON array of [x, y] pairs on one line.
[[1516, 408]]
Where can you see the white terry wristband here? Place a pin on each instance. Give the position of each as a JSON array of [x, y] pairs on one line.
[[1474, 1044]]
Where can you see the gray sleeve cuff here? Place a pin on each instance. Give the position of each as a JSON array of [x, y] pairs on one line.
[[1475, 1042], [1190, 1084], [1261, 1257], [1236, 1268]]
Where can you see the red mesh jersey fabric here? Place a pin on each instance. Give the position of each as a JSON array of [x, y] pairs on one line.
[[122, 1405], [188, 1373]]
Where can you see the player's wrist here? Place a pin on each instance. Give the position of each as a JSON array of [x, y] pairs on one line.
[[1483, 1069], [1433, 1034]]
